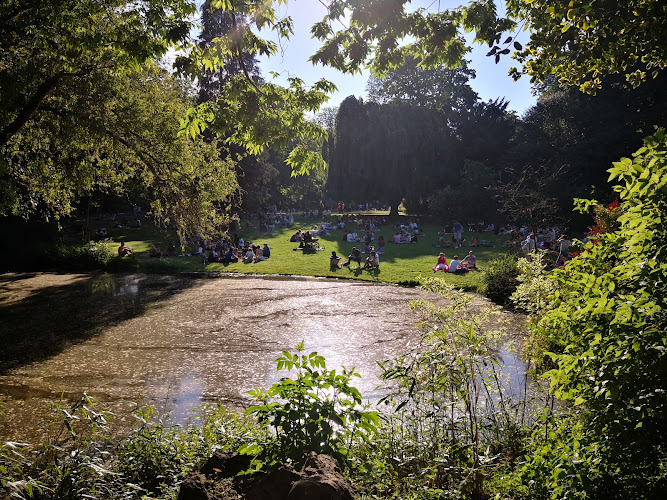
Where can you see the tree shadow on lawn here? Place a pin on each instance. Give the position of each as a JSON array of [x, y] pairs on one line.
[[52, 317]]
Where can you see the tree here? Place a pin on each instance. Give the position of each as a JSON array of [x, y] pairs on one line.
[[439, 88], [389, 152], [581, 42], [48, 44], [108, 133], [83, 111], [565, 143], [216, 24]]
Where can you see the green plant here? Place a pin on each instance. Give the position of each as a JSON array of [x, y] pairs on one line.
[[536, 286], [318, 410], [92, 255], [606, 328], [451, 417], [500, 279]]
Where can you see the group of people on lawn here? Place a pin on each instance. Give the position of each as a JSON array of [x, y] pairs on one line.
[[248, 254], [371, 262], [456, 266]]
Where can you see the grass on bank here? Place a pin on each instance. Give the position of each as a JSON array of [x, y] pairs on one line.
[[401, 264]]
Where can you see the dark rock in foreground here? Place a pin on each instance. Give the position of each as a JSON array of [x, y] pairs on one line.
[[320, 479]]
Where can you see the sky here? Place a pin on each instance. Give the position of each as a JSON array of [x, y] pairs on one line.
[[492, 80]]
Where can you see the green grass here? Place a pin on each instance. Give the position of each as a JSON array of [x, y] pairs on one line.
[[401, 264]]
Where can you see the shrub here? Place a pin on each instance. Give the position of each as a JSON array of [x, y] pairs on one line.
[[536, 286], [500, 279], [318, 411], [92, 255]]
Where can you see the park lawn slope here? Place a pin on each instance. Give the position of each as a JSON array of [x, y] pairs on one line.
[[400, 264]]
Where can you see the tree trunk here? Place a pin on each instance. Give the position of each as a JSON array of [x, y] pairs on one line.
[[393, 210]]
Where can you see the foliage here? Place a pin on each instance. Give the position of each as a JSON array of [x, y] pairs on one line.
[[451, 415], [565, 143], [500, 279], [53, 44], [117, 134], [440, 88], [605, 219], [536, 286], [465, 202], [318, 410], [607, 327], [71, 461], [579, 42], [93, 255], [83, 457]]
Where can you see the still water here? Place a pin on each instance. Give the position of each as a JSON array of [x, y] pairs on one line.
[[178, 342]]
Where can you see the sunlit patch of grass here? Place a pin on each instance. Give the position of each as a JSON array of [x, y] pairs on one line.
[[399, 264]]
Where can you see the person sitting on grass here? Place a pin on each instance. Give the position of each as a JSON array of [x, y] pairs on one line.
[[355, 255], [469, 261], [266, 251], [442, 263], [296, 237], [372, 261], [249, 255], [155, 251], [259, 255], [455, 266], [231, 255], [123, 250], [171, 251], [334, 261], [214, 256], [380, 248]]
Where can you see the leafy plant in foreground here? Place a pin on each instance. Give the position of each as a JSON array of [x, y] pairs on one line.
[[318, 410], [607, 328], [452, 415]]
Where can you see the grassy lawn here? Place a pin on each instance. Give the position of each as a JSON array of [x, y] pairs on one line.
[[399, 264]]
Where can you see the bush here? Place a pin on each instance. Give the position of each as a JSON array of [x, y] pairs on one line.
[[318, 411], [536, 285], [500, 280], [93, 255]]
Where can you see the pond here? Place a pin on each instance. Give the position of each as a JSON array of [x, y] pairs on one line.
[[178, 342]]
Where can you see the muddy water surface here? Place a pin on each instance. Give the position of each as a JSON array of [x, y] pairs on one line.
[[180, 342]]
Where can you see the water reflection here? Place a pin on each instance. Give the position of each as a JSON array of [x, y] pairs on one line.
[[180, 342]]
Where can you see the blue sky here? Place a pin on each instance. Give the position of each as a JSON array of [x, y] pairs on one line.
[[492, 80]]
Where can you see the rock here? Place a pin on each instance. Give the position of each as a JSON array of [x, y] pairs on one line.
[[194, 488], [275, 485], [225, 464], [322, 479]]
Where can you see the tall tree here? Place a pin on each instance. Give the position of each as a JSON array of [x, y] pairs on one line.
[[389, 152], [217, 24], [440, 88]]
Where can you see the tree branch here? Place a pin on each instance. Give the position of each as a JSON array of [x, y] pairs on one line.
[[29, 108]]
